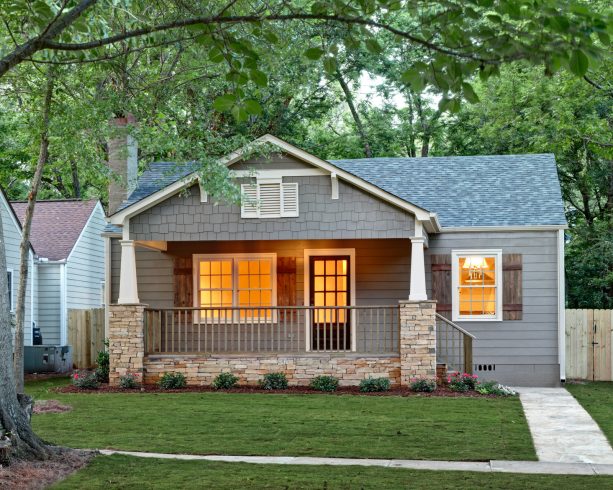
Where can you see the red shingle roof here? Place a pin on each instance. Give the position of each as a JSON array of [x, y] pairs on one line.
[[56, 226]]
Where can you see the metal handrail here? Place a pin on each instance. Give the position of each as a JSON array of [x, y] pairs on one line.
[[454, 325]]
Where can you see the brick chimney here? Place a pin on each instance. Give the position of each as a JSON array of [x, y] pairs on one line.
[[123, 161]]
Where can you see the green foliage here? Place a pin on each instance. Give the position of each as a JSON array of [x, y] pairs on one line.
[[423, 385], [103, 364], [324, 383], [129, 381], [225, 381], [273, 381], [85, 380], [172, 381], [462, 382], [494, 388], [370, 385]]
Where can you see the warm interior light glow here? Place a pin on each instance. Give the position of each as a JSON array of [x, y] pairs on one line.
[[475, 262]]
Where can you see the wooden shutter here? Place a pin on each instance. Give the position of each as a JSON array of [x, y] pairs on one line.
[[441, 283], [286, 286], [249, 201], [512, 291], [289, 199], [183, 282]]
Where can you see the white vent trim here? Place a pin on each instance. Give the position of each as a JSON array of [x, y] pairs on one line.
[[269, 198]]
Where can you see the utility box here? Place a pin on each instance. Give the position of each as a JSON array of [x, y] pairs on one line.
[[47, 359]]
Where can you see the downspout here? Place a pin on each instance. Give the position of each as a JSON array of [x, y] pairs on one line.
[[63, 312], [561, 308]]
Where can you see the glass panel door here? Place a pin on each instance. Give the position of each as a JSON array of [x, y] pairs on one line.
[[329, 282]]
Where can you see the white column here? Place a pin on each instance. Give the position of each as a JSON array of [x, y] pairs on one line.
[[418, 269], [128, 286]]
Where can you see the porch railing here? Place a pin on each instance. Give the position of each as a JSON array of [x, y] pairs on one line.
[[276, 329], [454, 346]]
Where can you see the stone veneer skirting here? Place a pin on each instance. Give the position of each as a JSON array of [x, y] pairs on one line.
[[417, 355], [201, 370]]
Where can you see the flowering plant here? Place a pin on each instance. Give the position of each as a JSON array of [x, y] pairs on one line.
[[462, 381], [85, 380]]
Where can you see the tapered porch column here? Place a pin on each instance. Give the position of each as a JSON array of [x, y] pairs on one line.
[[418, 269], [128, 285]]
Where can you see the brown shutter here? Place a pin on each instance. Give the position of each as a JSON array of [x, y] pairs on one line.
[[286, 281], [183, 282], [441, 283], [512, 308]]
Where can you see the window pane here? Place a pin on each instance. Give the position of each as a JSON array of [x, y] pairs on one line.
[[215, 298], [254, 267], [319, 268], [215, 282], [319, 284], [205, 298], [319, 299], [205, 268], [226, 267], [266, 298], [265, 267], [255, 298], [341, 299], [341, 284], [243, 267], [330, 283], [341, 269], [265, 282], [226, 297], [243, 298], [330, 299], [254, 281], [215, 267], [226, 282], [330, 267], [205, 282], [243, 282]]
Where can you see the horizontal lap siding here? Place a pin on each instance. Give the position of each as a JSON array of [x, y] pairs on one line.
[[49, 301], [85, 269], [532, 341], [12, 240]]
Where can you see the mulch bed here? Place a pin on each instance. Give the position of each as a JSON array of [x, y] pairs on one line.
[[35, 475], [50, 406], [441, 391]]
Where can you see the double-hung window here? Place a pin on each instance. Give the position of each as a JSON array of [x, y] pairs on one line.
[[269, 198], [9, 284], [477, 284], [224, 282]]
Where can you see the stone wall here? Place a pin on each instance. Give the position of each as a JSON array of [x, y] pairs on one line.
[[201, 370], [126, 341], [417, 340]]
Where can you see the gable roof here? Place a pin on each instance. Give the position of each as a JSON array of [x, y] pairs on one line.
[[472, 191], [461, 192], [56, 225]]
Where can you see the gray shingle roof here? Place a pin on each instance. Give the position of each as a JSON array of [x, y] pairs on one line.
[[467, 191]]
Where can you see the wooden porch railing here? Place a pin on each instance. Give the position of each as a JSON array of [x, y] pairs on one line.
[[454, 346], [277, 329]]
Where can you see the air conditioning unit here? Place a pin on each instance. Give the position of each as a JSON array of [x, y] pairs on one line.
[[47, 359]]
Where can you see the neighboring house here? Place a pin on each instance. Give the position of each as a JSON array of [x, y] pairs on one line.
[[68, 269], [306, 275], [12, 239]]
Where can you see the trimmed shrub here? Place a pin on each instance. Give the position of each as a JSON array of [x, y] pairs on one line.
[[324, 383], [274, 381], [85, 380], [370, 385], [103, 364], [494, 388], [129, 381], [172, 381], [225, 381], [423, 385], [462, 382]]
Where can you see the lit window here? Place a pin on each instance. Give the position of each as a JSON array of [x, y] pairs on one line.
[[477, 288], [245, 281]]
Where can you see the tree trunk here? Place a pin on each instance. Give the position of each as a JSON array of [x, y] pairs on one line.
[[354, 114], [76, 183], [24, 247], [14, 420]]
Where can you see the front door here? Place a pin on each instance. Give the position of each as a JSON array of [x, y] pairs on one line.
[[329, 282]]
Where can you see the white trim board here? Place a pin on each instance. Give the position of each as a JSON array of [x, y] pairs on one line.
[[82, 232], [463, 229], [429, 219]]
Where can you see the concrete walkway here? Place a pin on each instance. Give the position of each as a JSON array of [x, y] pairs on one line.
[[533, 467], [562, 431]]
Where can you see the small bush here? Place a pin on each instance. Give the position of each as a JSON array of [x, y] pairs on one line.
[[494, 388], [172, 381], [225, 381], [129, 381], [324, 383], [274, 381], [423, 385], [85, 380], [462, 382], [103, 364], [370, 385]]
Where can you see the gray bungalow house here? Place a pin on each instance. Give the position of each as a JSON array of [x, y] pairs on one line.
[[356, 268]]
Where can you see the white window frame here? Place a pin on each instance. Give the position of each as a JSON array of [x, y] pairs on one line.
[[11, 289], [455, 279], [255, 214], [196, 258]]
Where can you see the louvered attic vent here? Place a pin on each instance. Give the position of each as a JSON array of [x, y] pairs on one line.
[[269, 200]]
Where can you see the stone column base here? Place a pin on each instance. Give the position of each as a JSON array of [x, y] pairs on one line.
[[126, 341], [417, 340]]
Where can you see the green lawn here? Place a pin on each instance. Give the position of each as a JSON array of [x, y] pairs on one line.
[[108, 472], [597, 399], [315, 425]]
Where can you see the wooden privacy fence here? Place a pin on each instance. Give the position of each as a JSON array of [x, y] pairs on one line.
[[588, 345], [86, 336]]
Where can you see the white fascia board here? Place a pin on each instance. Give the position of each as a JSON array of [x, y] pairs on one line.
[[462, 229], [430, 220], [97, 207]]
